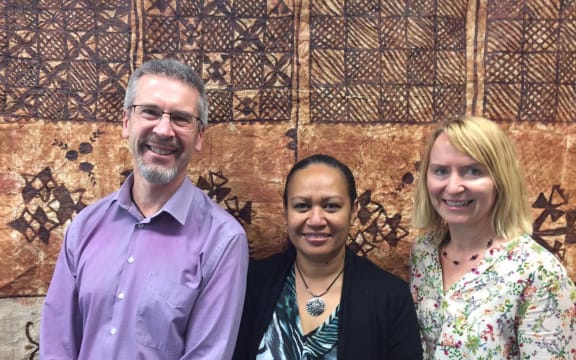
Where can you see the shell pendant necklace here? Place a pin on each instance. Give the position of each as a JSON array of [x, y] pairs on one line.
[[315, 306], [472, 258]]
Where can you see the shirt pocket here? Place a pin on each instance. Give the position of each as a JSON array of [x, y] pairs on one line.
[[163, 314]]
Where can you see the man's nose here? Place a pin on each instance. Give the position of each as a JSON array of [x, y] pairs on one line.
[[164, 126]]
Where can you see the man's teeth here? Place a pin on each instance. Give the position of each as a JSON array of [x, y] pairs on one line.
[[160, 151]]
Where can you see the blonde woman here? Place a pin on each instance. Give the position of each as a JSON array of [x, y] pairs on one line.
[[483, 288]]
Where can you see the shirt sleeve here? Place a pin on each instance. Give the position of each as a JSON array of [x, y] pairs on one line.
[[215, 319], [547, 316], [61, 323]]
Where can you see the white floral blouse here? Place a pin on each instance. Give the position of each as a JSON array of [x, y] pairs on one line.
[[518, 303]]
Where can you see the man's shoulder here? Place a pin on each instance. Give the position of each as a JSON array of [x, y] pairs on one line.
[[219, 215], [100, 206], [88, 220]]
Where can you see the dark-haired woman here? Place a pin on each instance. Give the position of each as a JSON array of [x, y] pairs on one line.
[[318, 300]]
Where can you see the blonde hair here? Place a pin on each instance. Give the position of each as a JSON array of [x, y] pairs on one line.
[[485, 142]]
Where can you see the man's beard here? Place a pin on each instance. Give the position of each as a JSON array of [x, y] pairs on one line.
[[153, 174]]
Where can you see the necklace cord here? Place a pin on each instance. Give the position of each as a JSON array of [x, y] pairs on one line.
[[458, 262], [308, 288]]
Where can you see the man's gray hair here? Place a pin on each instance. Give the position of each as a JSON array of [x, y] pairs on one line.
[[174, 69]]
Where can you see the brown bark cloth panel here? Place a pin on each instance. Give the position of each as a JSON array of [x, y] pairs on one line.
[[364, 80]]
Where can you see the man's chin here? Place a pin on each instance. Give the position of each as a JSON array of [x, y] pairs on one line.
[[158, 176]]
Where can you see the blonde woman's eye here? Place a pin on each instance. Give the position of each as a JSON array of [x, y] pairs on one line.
[[439, 171], [475, 171]]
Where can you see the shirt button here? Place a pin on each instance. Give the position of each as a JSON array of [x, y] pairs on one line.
[[131, 259], [140, 226], [113, 331], [121, 296]]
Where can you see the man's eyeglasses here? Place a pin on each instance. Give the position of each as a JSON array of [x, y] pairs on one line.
[[180, 119]]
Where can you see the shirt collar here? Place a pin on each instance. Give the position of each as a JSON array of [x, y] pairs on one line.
[[177, 206], [179, 203]]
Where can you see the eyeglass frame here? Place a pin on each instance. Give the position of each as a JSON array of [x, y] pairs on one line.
[[161, 114]]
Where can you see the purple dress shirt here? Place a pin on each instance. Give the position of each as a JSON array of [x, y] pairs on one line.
[[170, 286]]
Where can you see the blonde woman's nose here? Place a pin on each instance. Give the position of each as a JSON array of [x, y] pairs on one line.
[[455, 183]]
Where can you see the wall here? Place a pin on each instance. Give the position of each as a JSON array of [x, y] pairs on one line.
[[362, 80]]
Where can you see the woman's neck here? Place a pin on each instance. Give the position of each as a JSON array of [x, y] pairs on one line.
[[466, 238], [317, 269]]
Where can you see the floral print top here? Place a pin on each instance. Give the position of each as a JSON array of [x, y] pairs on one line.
[[517, 303]]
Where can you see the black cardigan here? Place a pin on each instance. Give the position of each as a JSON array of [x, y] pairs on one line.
[[377, 315]]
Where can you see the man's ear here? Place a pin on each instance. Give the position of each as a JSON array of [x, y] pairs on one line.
[[199, 137], [125, 125]]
